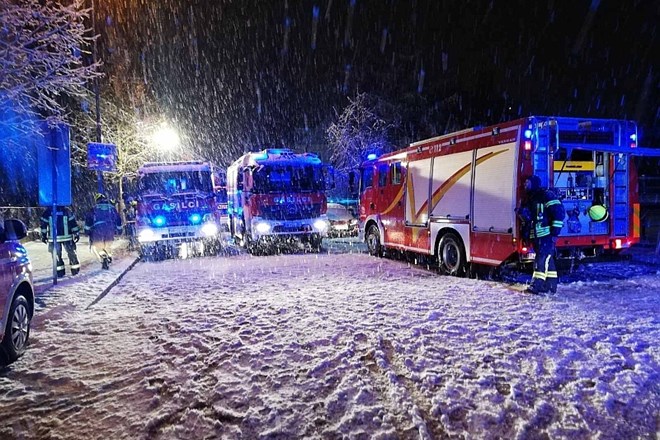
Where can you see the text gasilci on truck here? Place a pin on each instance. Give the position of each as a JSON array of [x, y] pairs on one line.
[[182, 209]]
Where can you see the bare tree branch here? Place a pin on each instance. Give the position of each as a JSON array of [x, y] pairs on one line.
[[41, 56]]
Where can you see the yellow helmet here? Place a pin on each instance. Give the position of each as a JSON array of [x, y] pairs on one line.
[[99, 197]]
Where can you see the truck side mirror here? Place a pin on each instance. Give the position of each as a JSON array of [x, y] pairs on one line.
[[239, 180], [329, 175], [353, 180]]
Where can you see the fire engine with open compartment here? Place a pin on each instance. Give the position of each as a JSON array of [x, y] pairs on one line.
[[454, 197]]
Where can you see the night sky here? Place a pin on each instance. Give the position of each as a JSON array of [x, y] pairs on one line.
[[237, 75]]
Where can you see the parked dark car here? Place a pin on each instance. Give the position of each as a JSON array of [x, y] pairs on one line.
[[16, 290], [342, 221]]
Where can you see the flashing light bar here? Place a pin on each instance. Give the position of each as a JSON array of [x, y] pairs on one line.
[[159, 220], [371, 156]]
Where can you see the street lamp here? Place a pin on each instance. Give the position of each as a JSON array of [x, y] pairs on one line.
[[165, 139]]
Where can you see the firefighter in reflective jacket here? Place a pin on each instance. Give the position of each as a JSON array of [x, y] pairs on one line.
[[543, 218], [101, 224], [67, 233]]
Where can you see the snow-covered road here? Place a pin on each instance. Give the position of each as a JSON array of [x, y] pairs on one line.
[[336, 345]]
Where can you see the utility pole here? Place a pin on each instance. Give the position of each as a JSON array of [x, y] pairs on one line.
[[97, 98]]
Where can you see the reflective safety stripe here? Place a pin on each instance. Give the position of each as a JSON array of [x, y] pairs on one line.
[[636, 221], [539, 275], [557, 224], [540, 231], [552, 202], [551, 274], [75, 266], [60, 267]]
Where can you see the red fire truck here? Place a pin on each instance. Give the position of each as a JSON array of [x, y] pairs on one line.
[[275, 195], [454, 197], [182, 209]]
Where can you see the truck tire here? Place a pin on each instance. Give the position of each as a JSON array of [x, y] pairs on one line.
[[451, 256], [372, 239], [17, 331], [315, 242]]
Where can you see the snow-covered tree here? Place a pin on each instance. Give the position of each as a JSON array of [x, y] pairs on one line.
[[362, 128], [42, 56]]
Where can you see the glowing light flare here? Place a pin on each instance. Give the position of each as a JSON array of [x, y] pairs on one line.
[[146, 235], [209, 229], [262, 228], [166, 138], [321, 225]]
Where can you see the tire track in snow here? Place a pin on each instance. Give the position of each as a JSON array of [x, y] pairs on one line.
[[390, 373]]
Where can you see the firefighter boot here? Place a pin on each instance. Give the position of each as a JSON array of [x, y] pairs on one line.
[[61, 271], [105, 264]]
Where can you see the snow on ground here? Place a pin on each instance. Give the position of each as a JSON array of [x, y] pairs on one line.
[[336, 345]]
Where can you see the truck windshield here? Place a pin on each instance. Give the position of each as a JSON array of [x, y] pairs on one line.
[[176, 182], [277, 178]]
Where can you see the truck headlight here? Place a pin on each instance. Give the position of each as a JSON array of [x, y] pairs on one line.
[[209, 229], [320, 225], [262, 228], [146, 235]]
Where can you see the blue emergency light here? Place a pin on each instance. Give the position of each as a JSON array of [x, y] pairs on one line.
[[159, 220], [195, 219]]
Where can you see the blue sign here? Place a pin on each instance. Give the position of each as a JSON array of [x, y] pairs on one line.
[[101, 157], [54, 165]]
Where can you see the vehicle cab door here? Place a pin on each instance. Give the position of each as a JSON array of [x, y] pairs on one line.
[[6, 274], [367, 193], [391, 191]]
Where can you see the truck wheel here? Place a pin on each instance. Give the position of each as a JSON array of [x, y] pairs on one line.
[[373, 241], [17, 332], [315, 242], [232, 227], [451, 256]]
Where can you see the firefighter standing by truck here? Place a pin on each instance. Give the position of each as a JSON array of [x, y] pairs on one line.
[[101, 224], [130, 212], [67, 233], [543, 218]]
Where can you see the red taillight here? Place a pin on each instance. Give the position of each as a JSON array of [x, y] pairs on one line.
[[616, 244], [528, 146], [524, 249]]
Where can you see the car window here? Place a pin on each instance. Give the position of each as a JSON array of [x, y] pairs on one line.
[[382, 175], [396, 173]]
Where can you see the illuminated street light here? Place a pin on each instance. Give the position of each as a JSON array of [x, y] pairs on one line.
[[166, 139]]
